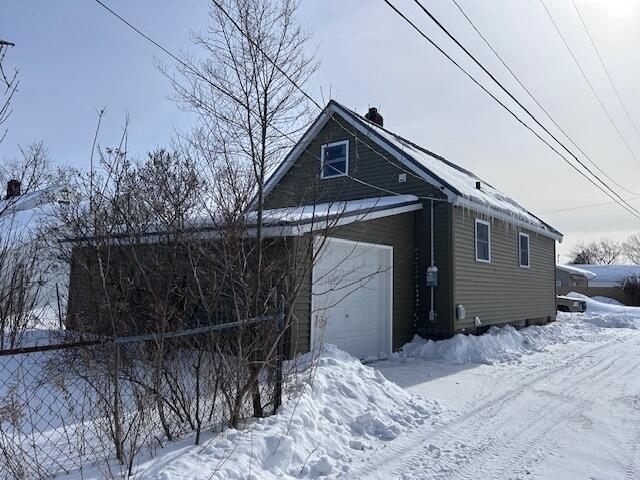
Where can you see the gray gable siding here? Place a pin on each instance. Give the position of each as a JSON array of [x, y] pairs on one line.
[[302, 183], [501, 291]]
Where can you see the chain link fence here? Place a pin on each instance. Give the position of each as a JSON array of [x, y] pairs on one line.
[[70, 404]]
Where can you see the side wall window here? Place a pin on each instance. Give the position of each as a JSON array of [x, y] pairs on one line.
[[523, 249], [335, 159], [483, 241]]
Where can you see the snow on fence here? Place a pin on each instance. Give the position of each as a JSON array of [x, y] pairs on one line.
[[69, 404]]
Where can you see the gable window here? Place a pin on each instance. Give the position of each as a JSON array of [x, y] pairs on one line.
[[523, 248], [483, 241], [335, 159]]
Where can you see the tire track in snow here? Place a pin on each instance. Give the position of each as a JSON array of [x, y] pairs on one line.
[[491, 407], [502, 453], [396, 452], [503, 462]]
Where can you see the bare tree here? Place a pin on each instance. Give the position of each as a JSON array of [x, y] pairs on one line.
[[33, 169], [8, 85], [25, 261], [631, 248], [602, 252], [244, 92]]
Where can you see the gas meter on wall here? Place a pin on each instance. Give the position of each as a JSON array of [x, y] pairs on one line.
[[432, 276]]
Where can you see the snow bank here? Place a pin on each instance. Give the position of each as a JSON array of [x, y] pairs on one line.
[[607, 314], [498, 345], [611, 301], [346, 409], [507, 344]]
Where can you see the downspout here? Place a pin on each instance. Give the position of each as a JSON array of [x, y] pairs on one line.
[[416, 270], [432, 271]]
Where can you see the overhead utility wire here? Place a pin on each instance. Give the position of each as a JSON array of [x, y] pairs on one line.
[[504, 89], [306, 94], [606, 70], [612, 195], [589, 84], [583, 207], [230, 95], [546, 112], [223, 91]]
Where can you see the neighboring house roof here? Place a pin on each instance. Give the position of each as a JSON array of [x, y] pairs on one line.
[[31, 200], [20, 217], [576, 271], [613, 274], [458, 184]]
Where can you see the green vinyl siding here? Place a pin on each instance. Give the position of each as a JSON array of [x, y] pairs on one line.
[[442, 325], [371, 164], [396, 231], [502, 291], [368, 164]]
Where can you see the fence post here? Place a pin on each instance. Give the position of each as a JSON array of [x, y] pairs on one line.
[[59, 307], [277, 394]]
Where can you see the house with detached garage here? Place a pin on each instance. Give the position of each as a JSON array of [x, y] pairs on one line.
[[432, 248]]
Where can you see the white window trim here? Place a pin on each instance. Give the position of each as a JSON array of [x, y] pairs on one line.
[[528, 265], [475, 245], [346, 168]]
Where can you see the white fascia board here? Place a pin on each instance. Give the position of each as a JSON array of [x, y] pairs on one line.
[[471, 205], [359, 217]]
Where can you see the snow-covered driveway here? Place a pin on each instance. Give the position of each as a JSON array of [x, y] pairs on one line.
[[571, 412]]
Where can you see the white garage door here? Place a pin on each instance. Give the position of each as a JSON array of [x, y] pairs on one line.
[[352, 297]]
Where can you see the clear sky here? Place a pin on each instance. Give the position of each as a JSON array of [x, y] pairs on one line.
[[74, 58]]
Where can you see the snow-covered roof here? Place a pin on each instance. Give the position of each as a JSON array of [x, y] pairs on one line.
[[353, 208], [20, 217], [576, 271], [456, 182], [294, 221], [31, 200], [613, 273]]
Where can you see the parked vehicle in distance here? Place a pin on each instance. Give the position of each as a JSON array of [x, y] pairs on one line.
[[569, 304]]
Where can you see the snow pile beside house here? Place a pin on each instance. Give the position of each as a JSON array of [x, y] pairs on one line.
[[498, 345], [347, 408], [507, 344]]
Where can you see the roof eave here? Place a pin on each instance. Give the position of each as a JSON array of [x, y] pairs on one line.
[[464, 202]]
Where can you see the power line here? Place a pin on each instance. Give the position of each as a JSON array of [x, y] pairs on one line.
[[590, 85], [504, 89], [546, 112], [304, 93], [230, 95], [613, 195], [583, 207], [606, 70], [624, 205]]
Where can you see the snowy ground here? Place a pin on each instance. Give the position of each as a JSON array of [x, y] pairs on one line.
[[555, 402]]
